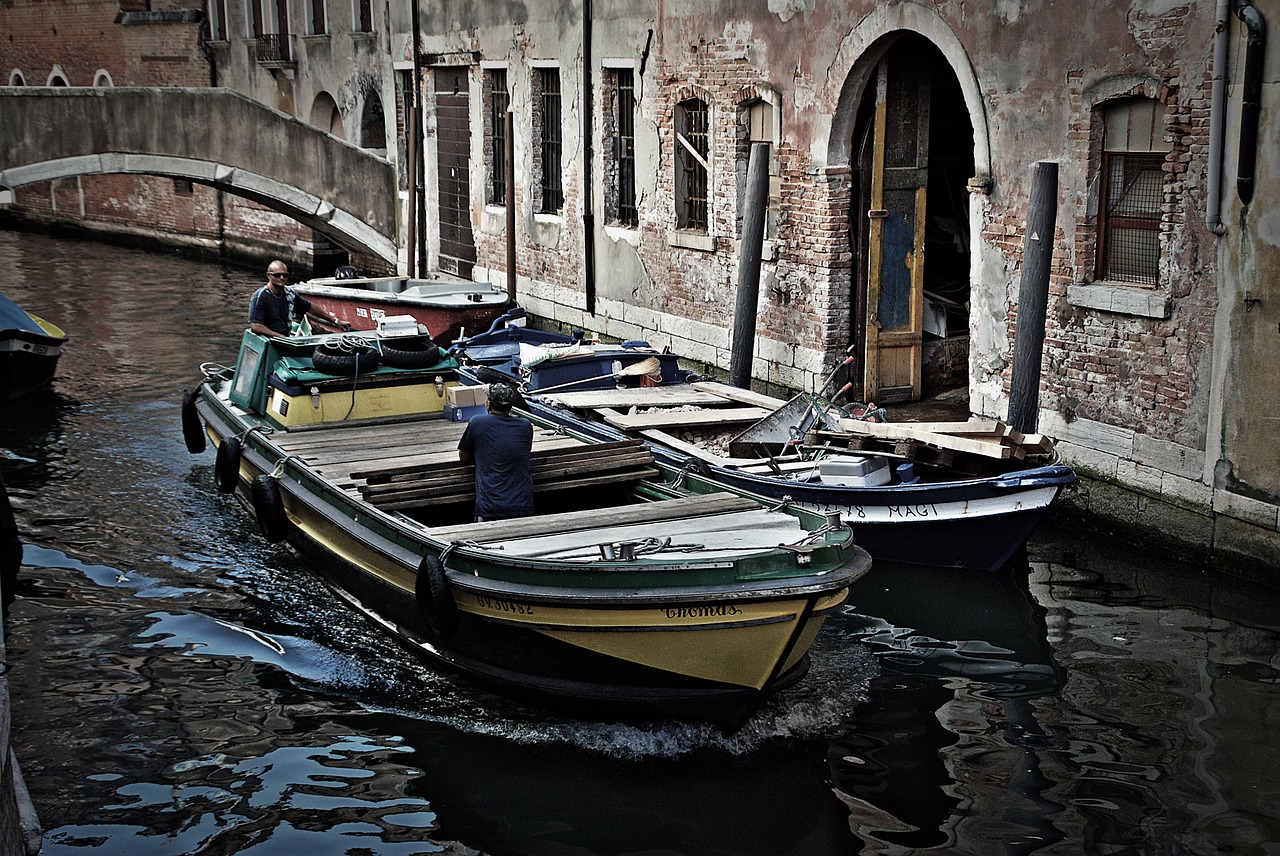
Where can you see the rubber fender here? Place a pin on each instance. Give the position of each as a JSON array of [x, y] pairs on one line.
[[411, 355], [268, 507], [344, 363], [435, 600], [192, 430], [226, 467]]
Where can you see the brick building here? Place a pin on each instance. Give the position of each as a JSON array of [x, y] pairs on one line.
[[902, 138]]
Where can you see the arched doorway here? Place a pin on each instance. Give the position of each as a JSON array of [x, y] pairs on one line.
[[911, 160]]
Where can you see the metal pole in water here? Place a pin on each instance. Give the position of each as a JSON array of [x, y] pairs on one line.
[[1033, 297], [752, 249]]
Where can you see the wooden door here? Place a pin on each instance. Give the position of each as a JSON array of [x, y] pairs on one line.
[[895, 246], [453, 161]]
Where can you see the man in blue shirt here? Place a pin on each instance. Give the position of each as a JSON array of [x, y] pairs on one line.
[[273, 307], [500, 445]]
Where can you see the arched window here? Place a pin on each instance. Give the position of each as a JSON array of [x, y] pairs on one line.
[[373, 127], [16, 78], [56, 79], [693, 167], [102, 78]]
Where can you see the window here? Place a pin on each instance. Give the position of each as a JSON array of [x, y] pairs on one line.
[[496, 118], [620, 189], [759, 124], [1132, 191], [217, 20], [183, 187], [692, 166], [256, 18], [16, 78], [318, 24], [364, 16], [102, 78], [546, 119]]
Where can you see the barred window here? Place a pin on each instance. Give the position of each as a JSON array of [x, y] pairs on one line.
[[692, 167], [499, 104], [1132, 191], [547, 104], [624, 148]]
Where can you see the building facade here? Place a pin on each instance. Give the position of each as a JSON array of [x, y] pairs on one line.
[[901, 142]]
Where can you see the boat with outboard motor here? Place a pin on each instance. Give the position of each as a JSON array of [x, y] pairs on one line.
[[964, 495], [635, 591], [446, 307], [29, 350]]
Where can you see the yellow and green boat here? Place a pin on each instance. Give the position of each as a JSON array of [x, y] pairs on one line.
[[634, 591]]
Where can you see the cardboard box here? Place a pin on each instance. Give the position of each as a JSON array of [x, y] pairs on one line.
[[462, 414], [466, 396]]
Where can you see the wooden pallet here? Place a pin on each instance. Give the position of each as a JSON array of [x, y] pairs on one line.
[[976, 447]]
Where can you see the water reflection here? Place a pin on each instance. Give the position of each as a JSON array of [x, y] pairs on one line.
[[183, 687]]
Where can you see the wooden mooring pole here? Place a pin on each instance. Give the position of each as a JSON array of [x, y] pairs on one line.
[[749, 257], [1033, 297]]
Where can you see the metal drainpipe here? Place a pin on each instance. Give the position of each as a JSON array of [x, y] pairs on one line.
[[1217, 120], [1251, 100], [588, 190]]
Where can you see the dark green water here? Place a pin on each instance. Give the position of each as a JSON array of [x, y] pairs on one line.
[[181, 687]]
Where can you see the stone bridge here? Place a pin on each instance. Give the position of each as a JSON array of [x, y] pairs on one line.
[[211, 136]]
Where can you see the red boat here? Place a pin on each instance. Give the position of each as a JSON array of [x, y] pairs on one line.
[[448, 308]]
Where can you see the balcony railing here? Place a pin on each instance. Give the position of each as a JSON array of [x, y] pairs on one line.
[[275, 50]]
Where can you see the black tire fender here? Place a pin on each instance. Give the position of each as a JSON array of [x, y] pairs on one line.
[[226, 466], [411, 355], [435, 600], [344, 363], [268, 507], [192, 430]]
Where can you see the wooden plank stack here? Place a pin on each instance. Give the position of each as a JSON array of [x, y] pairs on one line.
[[977, 446], [420, 484]]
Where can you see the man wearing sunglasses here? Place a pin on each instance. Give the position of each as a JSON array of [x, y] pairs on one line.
[[273, 308]]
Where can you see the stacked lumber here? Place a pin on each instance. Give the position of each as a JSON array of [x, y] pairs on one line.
[[952, 445], [419, 484]]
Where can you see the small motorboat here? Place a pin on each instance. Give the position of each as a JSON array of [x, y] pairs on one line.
[[635, 591], [963, 495], [447, 308], [29, 350]]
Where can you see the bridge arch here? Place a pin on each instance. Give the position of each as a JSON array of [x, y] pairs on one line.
[[211, 136]]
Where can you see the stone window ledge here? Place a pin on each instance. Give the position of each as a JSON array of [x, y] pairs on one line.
[[1120, 299], [626, 234], [692, 241]]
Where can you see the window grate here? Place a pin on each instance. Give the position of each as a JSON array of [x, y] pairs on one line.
[[625, 148], [1131, 220], [499, 103], [550, 179], [692, 150]]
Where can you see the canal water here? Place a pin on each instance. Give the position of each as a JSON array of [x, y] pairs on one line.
[[181, 687]]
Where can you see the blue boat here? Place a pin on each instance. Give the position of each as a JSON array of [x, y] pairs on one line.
[[925, 505], [29, 350]]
